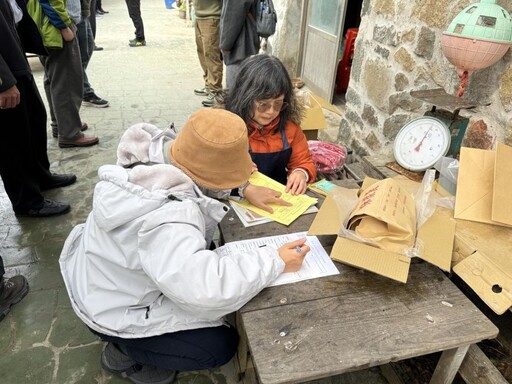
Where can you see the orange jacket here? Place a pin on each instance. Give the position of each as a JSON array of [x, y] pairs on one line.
[[266, 140]]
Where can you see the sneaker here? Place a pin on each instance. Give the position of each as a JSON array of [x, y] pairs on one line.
[[12, 290], [58, 181], [49, 208], [93, 100], [152, 375], [209, 101], [113, 360], [137, 43], [201, 91]]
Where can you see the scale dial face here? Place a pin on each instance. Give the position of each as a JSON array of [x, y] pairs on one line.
[[421, 143]]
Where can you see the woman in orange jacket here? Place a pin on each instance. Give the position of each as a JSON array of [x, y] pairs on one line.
[[263, 96]]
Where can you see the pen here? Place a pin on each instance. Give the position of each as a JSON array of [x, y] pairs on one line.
[[298, 249]]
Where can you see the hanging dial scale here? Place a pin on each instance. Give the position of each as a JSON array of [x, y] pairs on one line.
[[421, 143]]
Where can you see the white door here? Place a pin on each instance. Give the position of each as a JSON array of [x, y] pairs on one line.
[[322, 37]]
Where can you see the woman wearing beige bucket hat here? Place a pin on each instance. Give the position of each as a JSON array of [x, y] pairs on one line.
[[139, 272]]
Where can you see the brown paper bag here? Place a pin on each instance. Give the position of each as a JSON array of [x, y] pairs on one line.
[[385, 215]]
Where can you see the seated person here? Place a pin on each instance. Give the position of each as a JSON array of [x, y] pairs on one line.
[[263, 96], [139, 272]]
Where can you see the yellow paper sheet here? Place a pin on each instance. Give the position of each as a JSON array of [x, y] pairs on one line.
[[282, 214]]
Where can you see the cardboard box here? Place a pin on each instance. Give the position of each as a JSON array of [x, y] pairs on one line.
[[314, 118], [436, 237], [484, 185], [481, 257]]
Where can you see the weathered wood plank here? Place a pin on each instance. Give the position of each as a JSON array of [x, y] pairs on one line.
[[361, 328], [448, 365], [389, 373], [375, 166], [478, 369]]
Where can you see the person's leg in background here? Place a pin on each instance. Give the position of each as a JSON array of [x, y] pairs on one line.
[[200, 55], [24, 165], [64, 88], [99, 8], [92, 21], [210, 35], [231, 72], [135, 15], [86, 44]]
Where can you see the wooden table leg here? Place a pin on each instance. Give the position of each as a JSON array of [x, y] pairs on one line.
[[448, 365], [243, 349]]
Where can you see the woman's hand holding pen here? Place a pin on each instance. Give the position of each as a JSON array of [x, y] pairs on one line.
[[293, 254], [262, 196]]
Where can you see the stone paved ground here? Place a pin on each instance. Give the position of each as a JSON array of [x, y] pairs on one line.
[[41, 340]]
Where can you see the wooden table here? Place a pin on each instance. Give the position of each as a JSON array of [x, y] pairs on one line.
[[354, 320]]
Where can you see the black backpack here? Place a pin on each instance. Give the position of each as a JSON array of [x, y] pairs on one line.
[[266, 18]]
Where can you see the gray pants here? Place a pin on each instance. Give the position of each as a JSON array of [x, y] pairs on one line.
[[231, 73], [63, 85]]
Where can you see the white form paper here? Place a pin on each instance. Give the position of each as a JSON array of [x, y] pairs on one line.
[[317, 262]]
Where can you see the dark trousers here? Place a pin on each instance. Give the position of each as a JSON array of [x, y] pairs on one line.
[[134, 12], [92, 18], [189, 350], [24, 165], [2, 270], [86, 45]]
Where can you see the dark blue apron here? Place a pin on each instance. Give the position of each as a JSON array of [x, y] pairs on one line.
[[274, 164]]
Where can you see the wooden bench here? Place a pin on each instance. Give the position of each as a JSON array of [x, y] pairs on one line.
[[328, 326]]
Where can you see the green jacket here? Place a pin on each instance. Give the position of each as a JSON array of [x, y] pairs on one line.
[[50, 17]]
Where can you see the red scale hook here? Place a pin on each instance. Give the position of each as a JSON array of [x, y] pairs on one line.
[[463, 82]]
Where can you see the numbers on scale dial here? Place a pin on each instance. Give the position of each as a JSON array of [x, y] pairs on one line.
[[422, 144]]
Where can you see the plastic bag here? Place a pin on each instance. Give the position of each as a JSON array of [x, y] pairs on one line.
[[328, 157]]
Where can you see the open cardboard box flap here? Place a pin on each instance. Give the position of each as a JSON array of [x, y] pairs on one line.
[[314, 118], [481, 257], [484, 184], [436, 237]]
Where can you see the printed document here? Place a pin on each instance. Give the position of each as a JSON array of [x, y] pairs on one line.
[[250, 218], [282, 214], [317, 262]]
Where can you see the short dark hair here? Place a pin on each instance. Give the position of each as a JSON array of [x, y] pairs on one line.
[[262, 77]]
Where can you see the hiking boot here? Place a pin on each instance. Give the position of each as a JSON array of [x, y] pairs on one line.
[[113, 360], [12, 290], [137, 43], [201, 91], [92, 100]]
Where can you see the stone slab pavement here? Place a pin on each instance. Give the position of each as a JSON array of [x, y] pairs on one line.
[[41, 340]]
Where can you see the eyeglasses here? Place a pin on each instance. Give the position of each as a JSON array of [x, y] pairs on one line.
[[263, 106]]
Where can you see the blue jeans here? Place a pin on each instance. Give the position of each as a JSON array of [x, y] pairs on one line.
[[86, 44], [190, 350]]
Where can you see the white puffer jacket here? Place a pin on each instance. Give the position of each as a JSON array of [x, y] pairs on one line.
[[140, 266]]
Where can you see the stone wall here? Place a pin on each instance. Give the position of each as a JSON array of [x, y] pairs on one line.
[[398, 50]]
